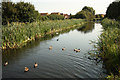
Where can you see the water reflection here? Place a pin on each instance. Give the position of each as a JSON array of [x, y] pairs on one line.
[[87, 28]]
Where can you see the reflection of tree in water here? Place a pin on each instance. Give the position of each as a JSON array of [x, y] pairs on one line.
[[88, 27]]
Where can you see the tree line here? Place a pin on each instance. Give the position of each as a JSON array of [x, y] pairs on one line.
[[25, 12]]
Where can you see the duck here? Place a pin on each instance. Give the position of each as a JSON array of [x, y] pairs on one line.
[[78, 50], [75, 49], [57, 39], [50, 47], [63, 49], [26, 69], [35, 65], [6, 63], [56, 33]]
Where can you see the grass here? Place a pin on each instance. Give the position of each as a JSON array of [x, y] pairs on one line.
[[16, 35], [109, 48]]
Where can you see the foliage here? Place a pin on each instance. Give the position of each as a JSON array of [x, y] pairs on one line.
[[109, 47], [89, 9], [17, 34], [113, 11], [26, 12], [9, 12], [86, 13], [22, 12], [43, 18], [56, 17], [110, 23]]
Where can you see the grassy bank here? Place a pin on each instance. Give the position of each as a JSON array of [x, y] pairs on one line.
[[16, 35], [109, 48]]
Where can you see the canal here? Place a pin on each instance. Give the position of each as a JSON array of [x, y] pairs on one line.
[[57, 63]]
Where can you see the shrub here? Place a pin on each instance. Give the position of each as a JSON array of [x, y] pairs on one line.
[[56, 17]]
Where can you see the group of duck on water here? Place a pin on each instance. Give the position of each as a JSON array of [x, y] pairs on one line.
[[36, 65], [26, 68], [77, 50]]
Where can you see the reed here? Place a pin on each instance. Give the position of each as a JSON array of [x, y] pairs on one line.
[[16, 35], [109, 48]]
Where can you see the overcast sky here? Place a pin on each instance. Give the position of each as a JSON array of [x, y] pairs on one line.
[[68, 6]]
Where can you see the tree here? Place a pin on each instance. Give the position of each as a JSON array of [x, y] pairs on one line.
[[22, 12], [26, 12], [90, 9], [113, 11], [9, 12], [86, 13]]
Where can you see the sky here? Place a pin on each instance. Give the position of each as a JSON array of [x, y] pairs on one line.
[[68, 6]]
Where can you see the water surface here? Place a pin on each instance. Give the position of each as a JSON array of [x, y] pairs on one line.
[[56, 63]]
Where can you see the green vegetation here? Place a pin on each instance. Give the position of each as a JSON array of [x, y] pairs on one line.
[[56, 17], [20, 12], [110, 23], [109, 47], [113, 11], [16, 35], [43, 18], [87, 13], [109, 42], [23, 12]]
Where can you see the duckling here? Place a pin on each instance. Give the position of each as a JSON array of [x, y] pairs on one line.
[[63, 49], [26, 69], [6, 63], [50, 47], [78, 50], [35, 65]]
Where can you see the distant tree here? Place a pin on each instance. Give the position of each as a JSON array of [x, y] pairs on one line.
[[90, 9], [113, 11], [86, 13]]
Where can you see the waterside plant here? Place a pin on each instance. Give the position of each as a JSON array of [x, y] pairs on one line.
[[109, 48], [16, 35]]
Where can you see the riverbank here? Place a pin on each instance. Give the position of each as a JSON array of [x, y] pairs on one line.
[[17, 35], [109, 48]]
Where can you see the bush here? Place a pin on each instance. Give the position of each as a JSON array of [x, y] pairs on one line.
[[110, 23], [43, 18], [56, 17]]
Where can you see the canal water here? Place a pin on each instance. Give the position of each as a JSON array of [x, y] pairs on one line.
[[56, 63]]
